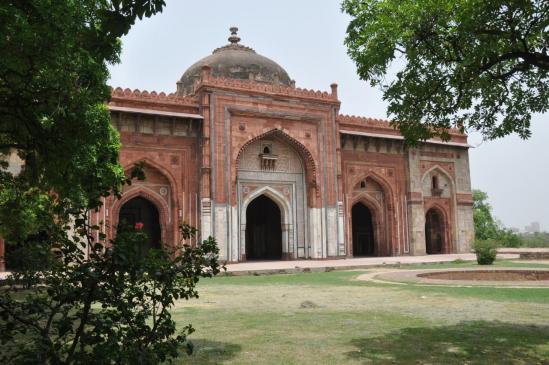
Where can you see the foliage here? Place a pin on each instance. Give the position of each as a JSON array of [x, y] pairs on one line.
[[486, 251], [111, 308], [53, 74], [487, 227], [472, 65], [508, 238], [538, 239]]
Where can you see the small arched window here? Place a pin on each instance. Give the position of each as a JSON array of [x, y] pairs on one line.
[[434, 182], [363, 184], [267, 150]]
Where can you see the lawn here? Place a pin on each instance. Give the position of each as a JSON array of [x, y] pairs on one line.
[[331, 318]]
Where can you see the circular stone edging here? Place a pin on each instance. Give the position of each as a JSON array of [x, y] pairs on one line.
[[422, 277]]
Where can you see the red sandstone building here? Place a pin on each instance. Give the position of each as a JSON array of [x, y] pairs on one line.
[[275, 172]]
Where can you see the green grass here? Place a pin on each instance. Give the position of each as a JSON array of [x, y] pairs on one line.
[[331, 318]]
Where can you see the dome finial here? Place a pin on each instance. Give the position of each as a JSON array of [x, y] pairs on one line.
[[234, 38]]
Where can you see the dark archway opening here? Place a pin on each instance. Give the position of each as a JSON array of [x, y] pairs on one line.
[[141, 210], [263, 231], [434, 232], [363, 231]]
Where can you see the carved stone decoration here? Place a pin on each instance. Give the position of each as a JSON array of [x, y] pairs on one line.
[[268, 161], [437, 191]]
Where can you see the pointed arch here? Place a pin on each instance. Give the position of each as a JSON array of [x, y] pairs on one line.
[[440, 232], [305, 154], [445, 206], [165, 172], [379, 179], [286, 221], [383, 214], [439, 209], [378, 221], [440, 170], [275, 196], [146, 193]]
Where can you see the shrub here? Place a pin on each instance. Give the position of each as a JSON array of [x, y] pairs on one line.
[[486, 251], [111, 308]]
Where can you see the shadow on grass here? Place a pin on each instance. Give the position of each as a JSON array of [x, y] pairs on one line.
[[473, 342], [210, 352]]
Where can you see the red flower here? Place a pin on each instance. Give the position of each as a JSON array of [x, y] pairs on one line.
[[139, 226]]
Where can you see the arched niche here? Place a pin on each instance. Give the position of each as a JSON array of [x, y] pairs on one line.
[[438, 189], [281, 174], [376, 195], [436, 231], [140, 213], [305, 156], [166, 231], [436, 182]]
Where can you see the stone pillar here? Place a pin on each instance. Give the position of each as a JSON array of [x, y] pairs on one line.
[[341, 229], [287, 249], [416, 228]]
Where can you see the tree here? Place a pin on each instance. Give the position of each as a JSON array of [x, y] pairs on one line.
[[63, 307], [472, 65], [53, 89], [110, 308], [487, 227]]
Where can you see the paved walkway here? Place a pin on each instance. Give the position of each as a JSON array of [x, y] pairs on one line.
[[288, 267], [273, 267]]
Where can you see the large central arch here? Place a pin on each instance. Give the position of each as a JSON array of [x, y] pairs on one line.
[[275, 165], [307, 158]]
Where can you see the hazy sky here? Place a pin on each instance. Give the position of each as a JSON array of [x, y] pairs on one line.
[[306, 38]]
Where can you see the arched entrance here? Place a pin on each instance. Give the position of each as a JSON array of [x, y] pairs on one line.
[[363, 231], [434, 232], [141, 210], [263, 230]]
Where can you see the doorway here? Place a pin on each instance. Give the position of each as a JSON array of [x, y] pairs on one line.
[[434, 232], [263, 230], [141, 210], [363, 231]]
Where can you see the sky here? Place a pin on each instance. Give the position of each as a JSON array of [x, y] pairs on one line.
[[306, 38]]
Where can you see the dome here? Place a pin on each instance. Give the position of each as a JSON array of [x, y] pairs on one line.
[[235, 61]]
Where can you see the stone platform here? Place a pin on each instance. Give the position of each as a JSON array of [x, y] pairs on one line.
[[527, 253]]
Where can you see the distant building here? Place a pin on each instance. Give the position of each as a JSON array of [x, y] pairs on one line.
[[533, 227]]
